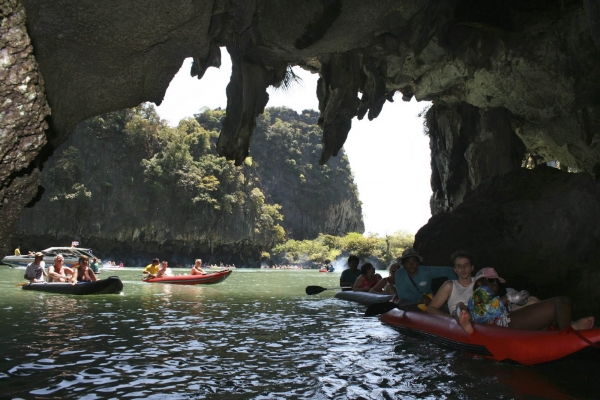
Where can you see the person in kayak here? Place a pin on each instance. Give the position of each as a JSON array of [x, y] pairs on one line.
[[486, 307], [413, 282], [387, 285], [197, 268], [453, 292], [151, 269], [367, 279], [35, 270], [59, 273], [95, 265], [84, 273], [164, 270], [350, 275]]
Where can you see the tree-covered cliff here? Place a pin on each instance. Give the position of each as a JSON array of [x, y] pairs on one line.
[[130, 186]]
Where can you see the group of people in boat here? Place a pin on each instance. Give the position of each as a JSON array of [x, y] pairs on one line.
[[481, 299], [82, 272], [161, 269]]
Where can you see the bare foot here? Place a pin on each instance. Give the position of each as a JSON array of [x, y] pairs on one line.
[[583, 323], [464, 320]]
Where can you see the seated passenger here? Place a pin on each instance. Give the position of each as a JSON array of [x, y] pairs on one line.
[[59, 273], [84, 273], [151, 269], [197, 268], [35, 270], [455, 291], [485, 306], [367, 279], [164, 270], [95, 265], [350, 275], [413, 282], [387, 285]]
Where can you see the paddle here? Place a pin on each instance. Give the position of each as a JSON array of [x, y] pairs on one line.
[[382, 308], [310, 290], [22, 284]]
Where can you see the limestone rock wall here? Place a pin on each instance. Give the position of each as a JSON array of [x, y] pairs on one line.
[[23, 109]]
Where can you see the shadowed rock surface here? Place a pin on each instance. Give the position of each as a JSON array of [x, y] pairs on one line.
[[503, 76]]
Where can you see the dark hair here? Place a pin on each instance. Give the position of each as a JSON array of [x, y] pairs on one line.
[[463, 254], [155, 260], [365, 268], [84, 258], [353, 258]]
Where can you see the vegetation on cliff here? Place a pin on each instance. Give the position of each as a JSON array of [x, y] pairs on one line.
[[380, 251], [132, 183]]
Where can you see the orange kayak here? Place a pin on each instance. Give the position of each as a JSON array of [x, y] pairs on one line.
[[498, 343]]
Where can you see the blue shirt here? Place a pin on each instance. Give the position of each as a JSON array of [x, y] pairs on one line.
[[407, 291]]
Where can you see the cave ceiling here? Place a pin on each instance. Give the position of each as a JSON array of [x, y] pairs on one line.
[[536, 61]]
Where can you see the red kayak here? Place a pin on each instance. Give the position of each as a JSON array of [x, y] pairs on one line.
[[498, 343], [205, 279]]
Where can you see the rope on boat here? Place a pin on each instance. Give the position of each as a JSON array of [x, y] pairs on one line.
[[576, 332]]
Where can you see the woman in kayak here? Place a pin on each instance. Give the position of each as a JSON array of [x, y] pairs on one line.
[[59, 273], [485, 306], [197, 268], [84, 273], [367, 279], [387, 285]]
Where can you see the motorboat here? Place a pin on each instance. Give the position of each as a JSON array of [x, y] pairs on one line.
[[70, 254]]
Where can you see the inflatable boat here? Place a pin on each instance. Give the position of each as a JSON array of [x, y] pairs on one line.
[[498, 343], [205, 279], [364, 298], [111, 285]]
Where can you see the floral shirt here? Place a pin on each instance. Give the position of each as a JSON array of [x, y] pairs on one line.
[[486, 308]]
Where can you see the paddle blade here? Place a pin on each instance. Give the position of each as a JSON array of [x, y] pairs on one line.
[[379, 308], [22, 284], [310, 290]]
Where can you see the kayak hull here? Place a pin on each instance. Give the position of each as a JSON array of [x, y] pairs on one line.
[[111, 285], [498, 343], [363, 297], [205, 279]]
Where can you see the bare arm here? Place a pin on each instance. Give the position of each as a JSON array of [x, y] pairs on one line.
[[440, 298], [378, 288], [357, 285]]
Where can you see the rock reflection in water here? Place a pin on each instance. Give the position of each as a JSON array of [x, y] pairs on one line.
[[235, 340]]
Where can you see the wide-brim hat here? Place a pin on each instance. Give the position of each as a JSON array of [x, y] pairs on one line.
[[488, 273], [410, 252]]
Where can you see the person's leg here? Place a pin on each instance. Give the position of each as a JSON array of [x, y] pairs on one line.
[[537, 316]]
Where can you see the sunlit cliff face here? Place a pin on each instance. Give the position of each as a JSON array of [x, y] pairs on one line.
[[505, 78]]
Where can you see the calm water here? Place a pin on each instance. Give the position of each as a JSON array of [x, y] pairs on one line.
[[255, 336]]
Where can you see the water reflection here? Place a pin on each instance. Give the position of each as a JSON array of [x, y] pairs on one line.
[[232, 339]]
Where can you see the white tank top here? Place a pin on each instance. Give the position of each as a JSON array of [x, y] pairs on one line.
[[459, 294]]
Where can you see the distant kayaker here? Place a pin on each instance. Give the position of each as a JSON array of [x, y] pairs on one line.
[[35, 270], [84, 273], [152, 269], [485, 306], [350, 275], [387, 285], [367, 279], [197, 268], [95, 265], [413, 282], [18, 251], [164, 270], [59, 273], [455, 291]]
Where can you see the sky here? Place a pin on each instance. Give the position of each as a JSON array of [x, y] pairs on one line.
[[389, 156]]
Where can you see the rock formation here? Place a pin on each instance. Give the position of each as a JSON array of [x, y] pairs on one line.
[[522, 74]]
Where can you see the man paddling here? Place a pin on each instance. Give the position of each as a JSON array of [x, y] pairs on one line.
[[151, 269], [349, 275], [413, 282]]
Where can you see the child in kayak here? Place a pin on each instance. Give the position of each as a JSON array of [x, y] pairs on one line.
[[485, 306]]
